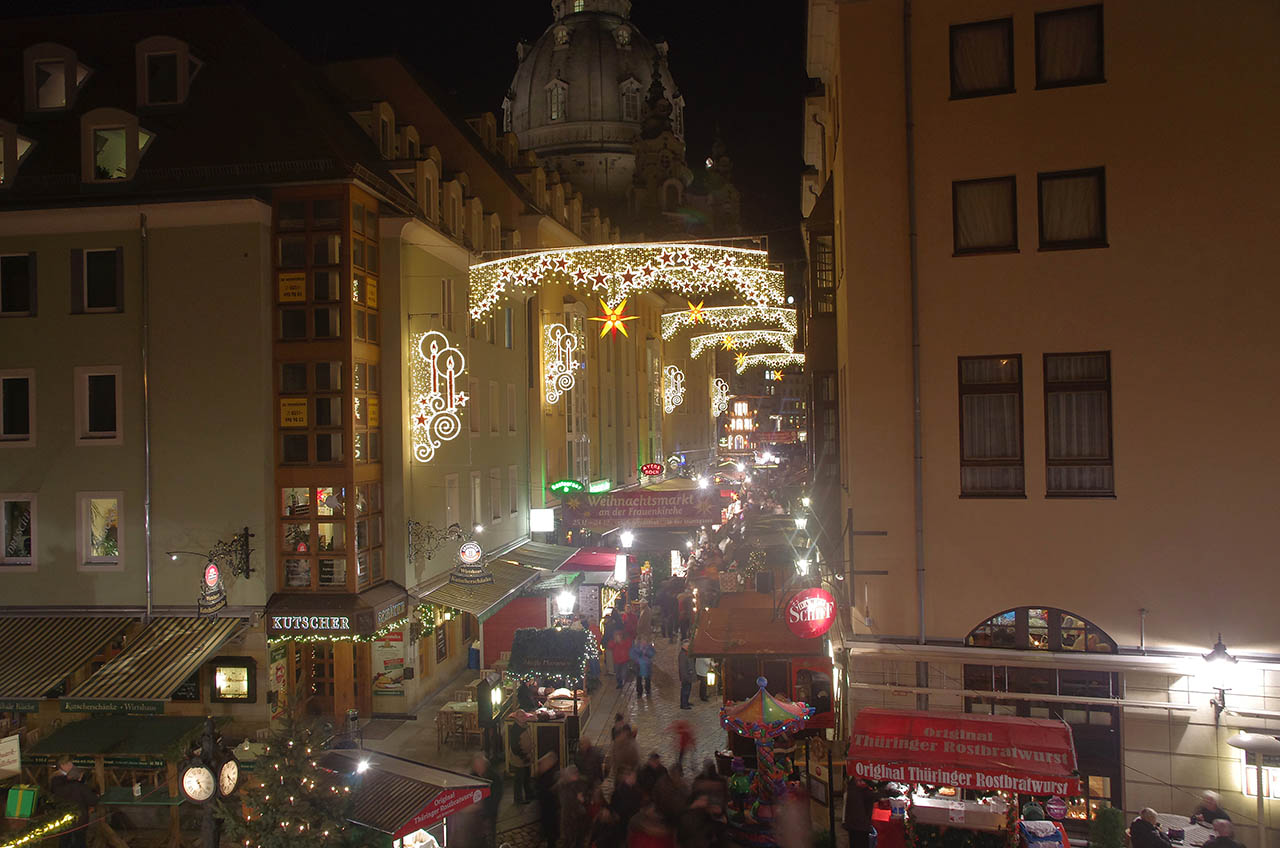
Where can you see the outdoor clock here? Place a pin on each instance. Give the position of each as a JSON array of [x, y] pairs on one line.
[[228, 777], [197, 782]]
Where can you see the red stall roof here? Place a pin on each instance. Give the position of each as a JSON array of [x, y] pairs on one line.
[[593, 559], [1033, 756]]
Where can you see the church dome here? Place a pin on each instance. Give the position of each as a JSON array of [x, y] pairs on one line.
[[578, 95]]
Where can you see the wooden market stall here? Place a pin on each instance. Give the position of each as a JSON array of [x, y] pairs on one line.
[[555, 660]]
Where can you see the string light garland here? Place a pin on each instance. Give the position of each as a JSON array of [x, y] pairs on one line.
[[719, 398], [559, 353], [672, 388], [729, 318], [769, 360], [619, 271], [614, 319], [43, 831], [741, 339], [349, 637], [436, 367]]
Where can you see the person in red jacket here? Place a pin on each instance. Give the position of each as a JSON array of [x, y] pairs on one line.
[[621, 650]]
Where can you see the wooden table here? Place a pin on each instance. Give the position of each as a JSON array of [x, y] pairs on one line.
[[470, 714], [1196, 834]]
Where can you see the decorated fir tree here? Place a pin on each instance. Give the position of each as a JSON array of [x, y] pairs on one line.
[[288, 801]]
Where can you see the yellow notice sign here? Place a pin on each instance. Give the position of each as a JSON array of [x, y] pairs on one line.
[[371, 293], [293, 287], [373, 412], [293, 412]]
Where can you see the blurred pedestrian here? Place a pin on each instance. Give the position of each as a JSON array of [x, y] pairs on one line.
[[859, 798], [572, 798], [521, 757], [624, 754], [621, 649], [683, 732], [642, 652], [793, 828], [68, 786], [547, 780], [649, 773], [590, 763], [482, 768]]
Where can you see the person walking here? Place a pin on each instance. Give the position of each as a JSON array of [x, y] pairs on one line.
[[548, 780], [488, 822], [686, 675], [522, 757], [608, 629], [621, 648], [859, 799], [702, 666], [642, 652], [684, 603], [67, 785]]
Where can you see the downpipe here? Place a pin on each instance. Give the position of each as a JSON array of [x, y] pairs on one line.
[[913, 261], [146, 405]]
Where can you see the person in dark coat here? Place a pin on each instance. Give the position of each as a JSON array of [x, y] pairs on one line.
[[1144, 831], [1223, 836], [590, 762], [650, 772], [547, 781], [627, 799], [1209, 811], [859, 799], [482, 768], [67, 785], [687, 675]]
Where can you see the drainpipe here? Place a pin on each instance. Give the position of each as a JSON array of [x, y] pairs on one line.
[[913, 260], [146, 404]]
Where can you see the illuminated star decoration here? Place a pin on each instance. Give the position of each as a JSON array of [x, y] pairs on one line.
[[614, 319], [695, 312], [739, 359], [728, 343]]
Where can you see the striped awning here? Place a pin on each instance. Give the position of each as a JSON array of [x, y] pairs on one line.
[[40, 653], [484, 599], [539, 555], [158, 660]]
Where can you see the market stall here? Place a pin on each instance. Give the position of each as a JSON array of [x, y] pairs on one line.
[[408, 803], [552, 661]]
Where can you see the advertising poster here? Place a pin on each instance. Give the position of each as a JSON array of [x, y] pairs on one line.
[[388, 664], [277, 680], [10, 758]]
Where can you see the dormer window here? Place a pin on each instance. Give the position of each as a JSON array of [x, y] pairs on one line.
[[630, 93], [506, 114], [557, 99], [13, 149], [112, 144], [53, 77], [165, 69]]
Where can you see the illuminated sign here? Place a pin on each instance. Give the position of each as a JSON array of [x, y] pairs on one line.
[[651, 469], [470, 552], [436, 372], [563, 487], [598, 486], [811, 613]]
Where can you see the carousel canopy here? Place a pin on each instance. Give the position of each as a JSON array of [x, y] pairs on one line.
[[764, 715]]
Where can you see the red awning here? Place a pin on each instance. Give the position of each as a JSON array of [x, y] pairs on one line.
[[1033, 756], [592, 559]]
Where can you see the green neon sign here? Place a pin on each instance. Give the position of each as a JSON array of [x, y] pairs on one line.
[[564, 487], [598, 486]]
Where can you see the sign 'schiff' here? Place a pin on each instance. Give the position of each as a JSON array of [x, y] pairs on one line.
[[811, 613]]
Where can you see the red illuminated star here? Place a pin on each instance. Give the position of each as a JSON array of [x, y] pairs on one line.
[[613, 318], [628, 276]]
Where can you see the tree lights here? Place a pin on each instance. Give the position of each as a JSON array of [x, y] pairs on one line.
[[719, 398], [740, 340], [559, 353], [436, 367], [672, 388], [728, 318], [616, 272], [768, 360]]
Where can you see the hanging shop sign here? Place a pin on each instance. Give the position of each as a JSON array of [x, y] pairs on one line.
[[642, 508], [564, 487], [1056, 808], [651, 469], [213, 595], [811, 613], [470, 553], [104, 706]]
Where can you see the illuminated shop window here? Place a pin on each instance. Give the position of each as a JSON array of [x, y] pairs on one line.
[[234, 680]]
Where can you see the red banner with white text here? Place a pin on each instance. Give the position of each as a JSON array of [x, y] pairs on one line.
[[640, 508]]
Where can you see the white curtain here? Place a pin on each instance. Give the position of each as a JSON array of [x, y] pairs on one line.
[[1071, 208], [980, 58], [985, 215], [1078, 424], [1067, 47]]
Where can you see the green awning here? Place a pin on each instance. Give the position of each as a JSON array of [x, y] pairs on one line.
[[142, 740]]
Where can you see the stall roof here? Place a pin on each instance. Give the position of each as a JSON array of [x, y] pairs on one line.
[[557, 580], [744, 625], [1033, 756], [42, 652], [593, 559], [399, 796], [484, 599], [538, 555], [120, 734], [156, 661]]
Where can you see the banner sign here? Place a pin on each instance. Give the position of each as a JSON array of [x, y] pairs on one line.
[[448, 802], [108, 707], [811, 613], [636, 509], [19, 705], [1026, 755], [387, 654]]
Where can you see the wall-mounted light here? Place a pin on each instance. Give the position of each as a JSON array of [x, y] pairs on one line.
[[479, 528]]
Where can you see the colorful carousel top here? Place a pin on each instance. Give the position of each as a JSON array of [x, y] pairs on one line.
[[764, 716]]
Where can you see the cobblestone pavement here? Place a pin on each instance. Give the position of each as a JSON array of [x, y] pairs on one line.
[[525, 836]]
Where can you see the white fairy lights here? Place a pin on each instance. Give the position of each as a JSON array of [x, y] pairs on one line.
[[559, 353], [719, 398], [672, 388], [741, 340], [436, 368], [729, 318], [769, 360], [616, 272]]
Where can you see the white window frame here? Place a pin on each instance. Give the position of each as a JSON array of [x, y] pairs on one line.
[[629, 94], [513, 489], [495, 495], [477, 499], [508, 328], [75, 75], [11, 157], [452, 509], [137, 141], [82, 375], [83, 561], [8, 563], [28, 441]]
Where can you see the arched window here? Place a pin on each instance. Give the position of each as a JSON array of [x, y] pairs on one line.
[[1041, 629], [630, 94], [557, 100]]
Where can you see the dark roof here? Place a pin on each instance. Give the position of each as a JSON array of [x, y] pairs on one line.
[[257, 113]]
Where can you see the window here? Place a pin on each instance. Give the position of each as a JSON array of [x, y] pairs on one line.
[[1073, 209], [1077, 425], [447, 304], [1069, 47], [506, 115], [495, 408], [984, 215], [17, 408], [1042, 629], [234, 680], [452, 515], [508, 328], [98, 419], [53, 76], [477, 502], [630, 94], [113, 145], [99, 522], [991, 460], [97, 280], [495, 494], [511, 408], [162, 78], [513, 490], [982, 58], [17, 531], [18, 285], [165, 69], [557, 100], [13, 149], [824, 275], [473, 392]]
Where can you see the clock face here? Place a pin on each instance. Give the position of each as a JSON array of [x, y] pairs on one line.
[[198, 783], [228, 777]]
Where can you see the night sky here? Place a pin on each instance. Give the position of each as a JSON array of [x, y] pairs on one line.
[[740, 65]]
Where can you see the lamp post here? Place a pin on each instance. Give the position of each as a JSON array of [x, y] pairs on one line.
[[1260, 745], [1219, 662]]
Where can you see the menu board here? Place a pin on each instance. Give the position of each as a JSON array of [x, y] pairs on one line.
[[388, 664]]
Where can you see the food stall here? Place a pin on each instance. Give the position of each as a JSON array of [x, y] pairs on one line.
[[551, 659], [405, 804], [959, 770]]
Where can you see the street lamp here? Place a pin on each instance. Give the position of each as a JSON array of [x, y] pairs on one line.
[[805, 501], [564, 602], [802, 566], [479, 528], [1219, 653], [702, 482], [620, 568], [1261, 745], [627, 538], [1220, 662], [801, 522]]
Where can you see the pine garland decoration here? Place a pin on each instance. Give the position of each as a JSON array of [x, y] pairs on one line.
[[289, 802]]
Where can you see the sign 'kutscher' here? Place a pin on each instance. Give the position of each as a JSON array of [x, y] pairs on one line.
[[811, 613]]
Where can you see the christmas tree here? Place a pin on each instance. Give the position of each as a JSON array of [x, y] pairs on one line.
[[288, 801]]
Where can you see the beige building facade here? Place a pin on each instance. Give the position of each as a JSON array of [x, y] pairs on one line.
[[1053, 266]]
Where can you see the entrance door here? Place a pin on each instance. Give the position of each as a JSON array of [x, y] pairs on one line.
[[317, 677]]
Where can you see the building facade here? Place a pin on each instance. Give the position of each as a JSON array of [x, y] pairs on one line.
[[1045, 271]]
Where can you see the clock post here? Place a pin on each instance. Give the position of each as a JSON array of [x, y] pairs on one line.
[[210, 773]]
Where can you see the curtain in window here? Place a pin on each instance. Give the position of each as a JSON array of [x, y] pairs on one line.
[[991, 427], [985, 215], [1071, 209], [1067, 47], [980, 58]]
